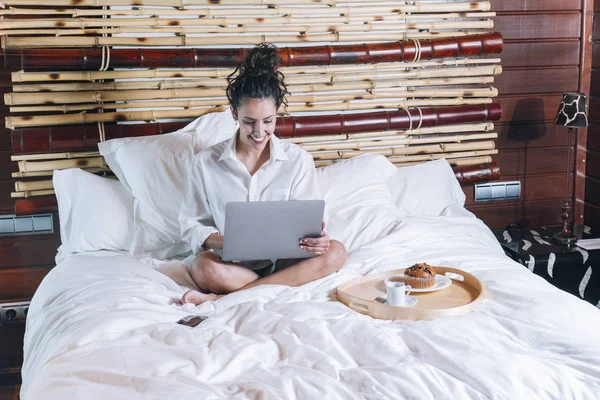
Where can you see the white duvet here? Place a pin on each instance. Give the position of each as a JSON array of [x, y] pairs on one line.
[[102, 326]]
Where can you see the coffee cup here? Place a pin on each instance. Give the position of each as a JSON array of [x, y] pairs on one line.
[[396, 290]]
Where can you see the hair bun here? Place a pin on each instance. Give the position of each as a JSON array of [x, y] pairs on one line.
[[257, 77], [260, 60]]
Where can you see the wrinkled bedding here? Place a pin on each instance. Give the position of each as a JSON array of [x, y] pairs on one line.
[[102, 326]]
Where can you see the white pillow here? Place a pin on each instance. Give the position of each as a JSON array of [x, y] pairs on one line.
[[156, 169], [359, 207], [426, 189], [95, 213]]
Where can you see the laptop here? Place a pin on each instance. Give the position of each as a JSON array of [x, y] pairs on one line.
[[270, 230]]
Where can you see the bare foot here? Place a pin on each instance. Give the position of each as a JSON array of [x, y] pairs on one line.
[[195, 297]]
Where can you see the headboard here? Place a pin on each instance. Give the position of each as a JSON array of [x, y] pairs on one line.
[[410, 80]]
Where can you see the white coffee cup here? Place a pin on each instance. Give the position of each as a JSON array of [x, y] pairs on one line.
[[396, 290]]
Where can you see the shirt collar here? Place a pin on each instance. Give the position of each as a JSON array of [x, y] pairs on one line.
[[277, 150]]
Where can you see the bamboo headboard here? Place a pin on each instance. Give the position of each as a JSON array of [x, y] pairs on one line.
[[410, 80]]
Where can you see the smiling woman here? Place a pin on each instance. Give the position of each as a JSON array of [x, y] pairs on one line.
[[253, 165]]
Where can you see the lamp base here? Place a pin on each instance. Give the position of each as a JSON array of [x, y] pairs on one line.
[[568, 241], [565, 237]]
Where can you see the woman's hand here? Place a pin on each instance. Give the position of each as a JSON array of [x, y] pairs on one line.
[[318, 245], [214, 241]]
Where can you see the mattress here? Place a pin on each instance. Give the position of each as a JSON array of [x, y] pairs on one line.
[[102, 326]]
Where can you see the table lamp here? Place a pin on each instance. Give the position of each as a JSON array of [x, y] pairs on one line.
[[572, 113]]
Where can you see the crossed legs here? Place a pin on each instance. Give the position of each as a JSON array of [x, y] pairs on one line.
[[213, 277]]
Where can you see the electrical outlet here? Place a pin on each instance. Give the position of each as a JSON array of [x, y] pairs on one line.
[[13, 312]]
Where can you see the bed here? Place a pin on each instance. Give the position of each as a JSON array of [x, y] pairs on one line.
[[102, 323]]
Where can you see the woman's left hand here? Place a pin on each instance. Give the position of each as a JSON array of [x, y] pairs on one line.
[[318, 245]]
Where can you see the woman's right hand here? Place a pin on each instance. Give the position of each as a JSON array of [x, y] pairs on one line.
[[214, 241]]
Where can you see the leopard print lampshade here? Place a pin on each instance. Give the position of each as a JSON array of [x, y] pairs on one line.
[[572, 111]]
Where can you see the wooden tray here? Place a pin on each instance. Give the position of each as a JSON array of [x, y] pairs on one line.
[[459, 298]]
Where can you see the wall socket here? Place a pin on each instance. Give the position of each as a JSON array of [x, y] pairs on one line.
[[13, 312]]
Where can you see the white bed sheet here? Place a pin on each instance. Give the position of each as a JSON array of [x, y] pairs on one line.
[[101, 326]]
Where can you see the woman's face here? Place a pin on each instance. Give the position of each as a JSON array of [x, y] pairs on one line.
[[257, 122]]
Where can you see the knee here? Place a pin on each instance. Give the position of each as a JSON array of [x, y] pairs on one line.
[[335, 258], [206, 272]]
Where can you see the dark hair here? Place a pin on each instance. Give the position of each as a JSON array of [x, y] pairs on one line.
[[258, 77]]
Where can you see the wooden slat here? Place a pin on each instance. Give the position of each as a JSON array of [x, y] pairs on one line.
[[540, 53], [529, 108], [11, 346], [531, 81], [596, 55], [532, 161], [592, 191], [6, 165], [7, 204], [533, 213], [592, 215], [538, 25], [595, 87], [28, 250], [21, 282], [594, 137], [534, 5], [594, 109], [531, 135], [593, 163]]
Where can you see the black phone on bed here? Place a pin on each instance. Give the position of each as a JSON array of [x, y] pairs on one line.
[[191, 320]]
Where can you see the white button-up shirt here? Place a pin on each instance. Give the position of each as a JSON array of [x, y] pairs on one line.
[[219, 177]]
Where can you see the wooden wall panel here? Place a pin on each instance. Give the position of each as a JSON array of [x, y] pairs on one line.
[[540, 54], [544, 56], [532, 81], [21, 282], [535, 5], [537, 26], [592, 186], [28, 250]]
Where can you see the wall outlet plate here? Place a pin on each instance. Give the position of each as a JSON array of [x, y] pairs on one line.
[[13, 312], [497, 191]]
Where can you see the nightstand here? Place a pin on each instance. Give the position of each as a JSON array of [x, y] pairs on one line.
[[574, 270]]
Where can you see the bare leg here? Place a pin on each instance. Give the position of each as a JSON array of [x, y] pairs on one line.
[[212, 274]]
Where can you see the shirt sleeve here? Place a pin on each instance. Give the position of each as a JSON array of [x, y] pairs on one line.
[[306, 186], [195, 217]]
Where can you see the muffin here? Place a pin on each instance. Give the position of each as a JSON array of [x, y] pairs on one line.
[[420, 276]]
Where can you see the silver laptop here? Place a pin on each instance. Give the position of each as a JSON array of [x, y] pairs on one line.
[[270, 230]]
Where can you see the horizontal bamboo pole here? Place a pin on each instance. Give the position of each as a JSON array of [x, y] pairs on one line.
[[152, 115], [86, 137], [211, 40], [438, 130], [215, 101], [83, 97], [22, 186], [258, 11], [156, 21], [32, 193], [459, 162], [84, 118], [391, 105], [265, 30], [364, 145], [463, 158], [36, 166], [451, 72], [66, 155], [396, 151], [448, 47], [341, 142], [22, 76], [35, 174]]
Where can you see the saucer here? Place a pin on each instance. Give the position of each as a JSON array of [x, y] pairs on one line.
[[410, 301]]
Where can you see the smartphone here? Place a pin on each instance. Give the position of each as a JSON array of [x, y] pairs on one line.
[[191, 320]]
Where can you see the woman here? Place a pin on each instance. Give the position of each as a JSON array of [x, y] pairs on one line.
[[254, 165]]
